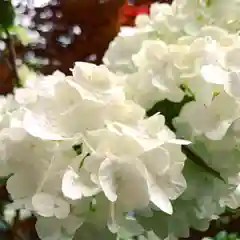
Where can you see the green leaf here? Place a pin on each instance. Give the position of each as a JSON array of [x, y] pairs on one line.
[[191, 155], [7, 14], [208, 3], [3, 180], [149, 236], [21, 34], [232, 236], [90, 232], [169, 109], [221, 236], [156, 224], [129, 229]]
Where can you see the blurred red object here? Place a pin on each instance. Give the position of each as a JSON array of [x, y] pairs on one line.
[[131, 9], [129, 12]]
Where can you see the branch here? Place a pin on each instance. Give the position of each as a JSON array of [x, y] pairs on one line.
[[200, 162], [12, 58]]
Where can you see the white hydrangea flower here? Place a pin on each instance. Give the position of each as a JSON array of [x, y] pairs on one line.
[[118, 179], [77, 147], [55, 206], [138, 89], [48, 117], [123, 148], [77, 182], [121, 151], [45, 163], [197, 206], [96, 83], [25, 96], [213, 119], [128, 42]]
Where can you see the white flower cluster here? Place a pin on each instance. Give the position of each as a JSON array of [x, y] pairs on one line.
[[155, 131], [189, 49], [66, 140]]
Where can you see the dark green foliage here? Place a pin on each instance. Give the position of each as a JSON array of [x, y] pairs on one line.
[[223, 235], [156, 223], [169, 109], [89, 232], [7, 14]]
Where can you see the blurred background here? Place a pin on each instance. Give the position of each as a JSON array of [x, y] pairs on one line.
[[52, 34], [49, 35]]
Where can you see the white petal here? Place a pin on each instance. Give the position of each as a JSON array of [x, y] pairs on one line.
[[160, 199], [173, 185], [38, 126], [61, 209], [107, 181], [156, 160], [25, 95], [232, 86], [119, 180], [48, 228], [20, 186], [72, 223], [214, 32], [127, 31], [219, 131], [232, 60], [154, 124], [214, 74], [70, 189], [76, 185], [15, 133], [180, 141], [132, 180], [43, 204], [93, 163]]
